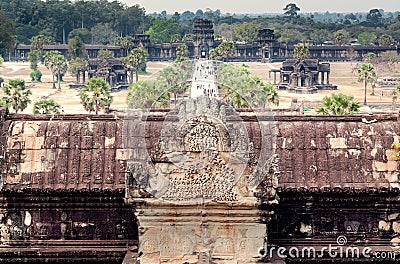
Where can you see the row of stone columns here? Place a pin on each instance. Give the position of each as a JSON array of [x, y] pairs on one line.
[[321, 77]]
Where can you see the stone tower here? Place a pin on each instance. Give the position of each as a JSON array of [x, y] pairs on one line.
[[266, 37], [203, 31]]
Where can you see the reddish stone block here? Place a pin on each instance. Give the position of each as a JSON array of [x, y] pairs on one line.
[[51, 142], [342, 130], [99, 142], [109, 129], [86, 142], [299, 142], [52, 129], [42, 129], [330, 129], [321, 142]]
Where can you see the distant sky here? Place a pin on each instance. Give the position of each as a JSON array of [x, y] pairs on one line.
[[265, 6]]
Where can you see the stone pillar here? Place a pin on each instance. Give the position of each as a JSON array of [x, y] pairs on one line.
[[274, 77], [78, 78], [84, 77], [195, 200], [322, 78], [212, 233]]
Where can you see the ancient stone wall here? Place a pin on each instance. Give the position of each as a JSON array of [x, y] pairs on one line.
[[68, 152], [352, 152], [339, 186], [3, 141], [71, 177], [62, 190], [197, 180]]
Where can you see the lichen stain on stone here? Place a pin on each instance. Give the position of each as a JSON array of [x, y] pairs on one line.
[[338, 143]]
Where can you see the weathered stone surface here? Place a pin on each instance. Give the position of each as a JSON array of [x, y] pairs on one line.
[[338, 174], [343, 144]]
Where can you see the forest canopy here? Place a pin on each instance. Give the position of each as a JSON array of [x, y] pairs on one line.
[[100, 22]]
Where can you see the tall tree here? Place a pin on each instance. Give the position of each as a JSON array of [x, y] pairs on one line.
[[7, 33], [38, 42], [161, 30], [172, 78], [374, 17], [82, 33], [76, 48], [223, 51], [291, 10], [365, 38], [34, 58], [131, 21], [17, 95], [105, 54], [227, 49], [48, 62], [244, 90], [182, 53], [103, 34], [58, 65], [96, 95], [366, 73], [137, 59], [126, 43], [246, 31]]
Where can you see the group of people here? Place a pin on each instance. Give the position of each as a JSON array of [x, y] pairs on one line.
[[205, 71], [203, 80]]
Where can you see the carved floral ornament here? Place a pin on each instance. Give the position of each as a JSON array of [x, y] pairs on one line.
[[203, 154]]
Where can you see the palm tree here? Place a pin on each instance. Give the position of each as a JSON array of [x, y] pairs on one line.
[[38, 42], [96, 95], [44, 107], [182, 53], [244, 90], [271, 94], [126, 43], [341, 37], [17, 95], [59, 66], [137, 59], [147, 94], [174, 80], [366, 73], [301, 52], [48, 63], [226, 49], [338, 104]]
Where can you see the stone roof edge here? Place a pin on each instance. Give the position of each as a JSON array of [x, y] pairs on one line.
[[63, 117], [339, 189], [159, 114]]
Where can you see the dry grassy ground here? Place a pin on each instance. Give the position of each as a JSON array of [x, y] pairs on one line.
[[341, 75]]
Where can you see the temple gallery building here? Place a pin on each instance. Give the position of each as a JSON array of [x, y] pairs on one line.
[[203, 183]]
